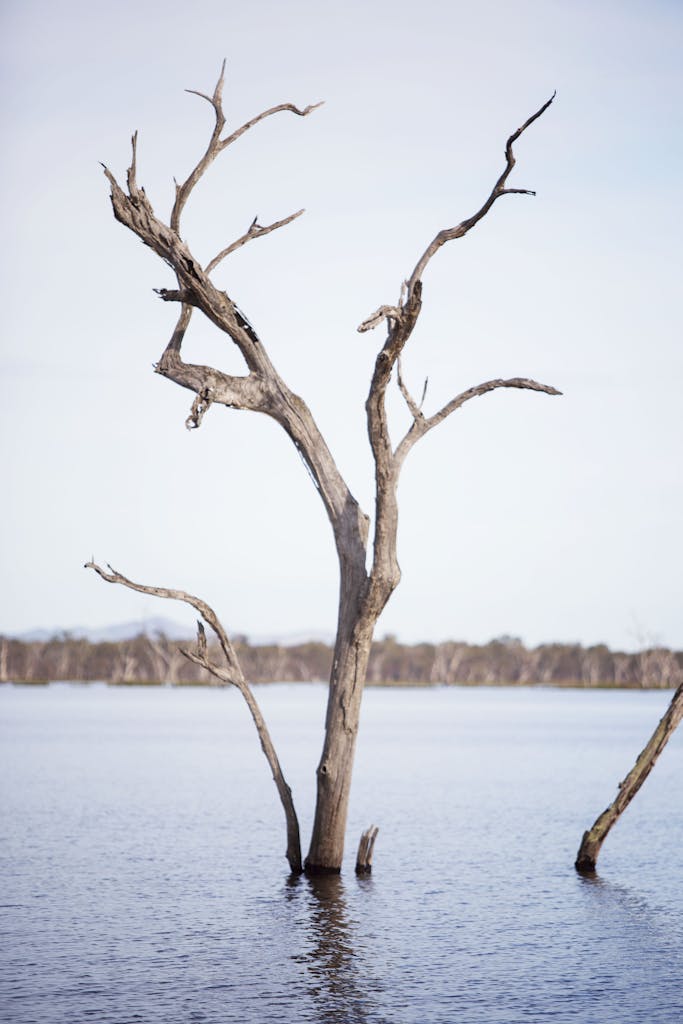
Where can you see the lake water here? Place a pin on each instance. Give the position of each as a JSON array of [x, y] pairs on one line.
[[144, 879]]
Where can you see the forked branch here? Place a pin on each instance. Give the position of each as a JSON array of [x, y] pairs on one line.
[[401, 321], [422, 425], [217, 145], [262, 389], [232, 674]]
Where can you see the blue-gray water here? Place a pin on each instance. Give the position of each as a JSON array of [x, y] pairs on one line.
[[143, 873]]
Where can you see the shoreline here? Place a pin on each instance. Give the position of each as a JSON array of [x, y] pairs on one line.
[[372, 685]]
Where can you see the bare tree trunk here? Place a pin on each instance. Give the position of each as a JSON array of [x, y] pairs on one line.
[[335, 769], [592, 841]]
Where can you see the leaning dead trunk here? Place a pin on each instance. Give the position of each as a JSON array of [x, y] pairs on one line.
[[592, 841]]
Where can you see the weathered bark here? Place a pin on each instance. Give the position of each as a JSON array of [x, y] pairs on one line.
[[363, 594], [366, 847], [591, 844], [335, 768]]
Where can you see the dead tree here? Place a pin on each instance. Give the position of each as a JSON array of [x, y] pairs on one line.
[[592, 841], [166, 657], [363, 593]]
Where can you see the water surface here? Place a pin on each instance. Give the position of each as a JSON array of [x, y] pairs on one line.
[[144, 879]]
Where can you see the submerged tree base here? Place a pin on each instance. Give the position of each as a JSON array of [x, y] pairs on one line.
[[316, 870], [585, 862]]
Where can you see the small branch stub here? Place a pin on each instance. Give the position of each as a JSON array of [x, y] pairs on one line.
[[393, 313], [365, 850]]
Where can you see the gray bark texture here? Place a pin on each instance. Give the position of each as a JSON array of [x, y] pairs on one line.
[[363, 592]]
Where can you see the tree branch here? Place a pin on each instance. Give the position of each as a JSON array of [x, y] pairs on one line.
[[195, 288], [176, 341], [424, 424], [217, 145], [269, 113], [375, 319], [255, 230], [202, 607], [499, 189], [231, 674], [262, 390], [401, 321], [415, 409], [248, 393], [200, 658], [483, 389]]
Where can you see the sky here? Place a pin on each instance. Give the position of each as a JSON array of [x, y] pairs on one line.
[[550, 519]]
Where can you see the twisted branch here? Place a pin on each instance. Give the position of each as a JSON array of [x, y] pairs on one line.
[[200, 406]]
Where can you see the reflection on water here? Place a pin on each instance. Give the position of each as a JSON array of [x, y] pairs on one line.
[[338, 984], [143, 877], [626, 914]]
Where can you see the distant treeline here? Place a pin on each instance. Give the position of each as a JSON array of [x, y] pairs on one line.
[[147, 659]]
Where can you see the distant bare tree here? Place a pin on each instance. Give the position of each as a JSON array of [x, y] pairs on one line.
[[125, 663], [4, 648], [166, 657], [363, 592]]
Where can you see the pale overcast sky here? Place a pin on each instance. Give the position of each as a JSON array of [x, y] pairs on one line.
[[546, 518]]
